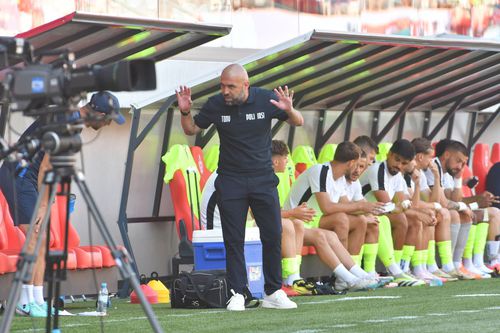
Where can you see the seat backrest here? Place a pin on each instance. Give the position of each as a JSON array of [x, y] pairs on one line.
[[304, 154], [4, 240], [383, 150], [58, 227], [466, 174], [327, 153], [481, 164], [495, 153], [212, 157], [73, 236], [179, 157], [197, 153], [290, 168], [182, 208], [11, 238], [283, 186], [299, 168]]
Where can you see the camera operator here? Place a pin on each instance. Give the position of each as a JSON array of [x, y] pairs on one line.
[[20, 186]]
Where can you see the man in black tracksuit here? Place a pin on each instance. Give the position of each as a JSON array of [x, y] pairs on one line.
[[242, 116]]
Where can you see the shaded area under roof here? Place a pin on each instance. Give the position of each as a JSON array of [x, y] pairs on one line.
[[102, 39], [328, 70]]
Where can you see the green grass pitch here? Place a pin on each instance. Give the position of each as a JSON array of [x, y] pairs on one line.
[[464, 306]]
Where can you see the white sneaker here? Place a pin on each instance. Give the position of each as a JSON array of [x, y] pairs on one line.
[[358, 284], [474, 270], [278, 300], [484, 269], [236, 302]]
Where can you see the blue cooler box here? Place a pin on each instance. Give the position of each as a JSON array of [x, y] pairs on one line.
[[209, 253]]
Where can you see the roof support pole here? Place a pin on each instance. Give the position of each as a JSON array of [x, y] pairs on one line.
[[451, 122], [321, 138], [4, 115], [202, 139], [134, 142], [427, 123], [393, 120], [472, 130], [375, 122], [161, 168], [347, 132], [483, 128], [401, 126], [276, 128], [122, 215], [445, 118], [319, 131], [291, 137]]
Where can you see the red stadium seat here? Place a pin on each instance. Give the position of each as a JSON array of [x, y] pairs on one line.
[[86, 257], [466, 174], [11, 238], [5, 266], [495, 153], [200, 164], [481, 164], [312, 250], [299, 168], [182, 208]]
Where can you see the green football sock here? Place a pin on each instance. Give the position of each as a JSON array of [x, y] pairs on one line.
[[407, 252], [444, 250], [480, 239], [470, 242], [361, 251], [385, 247], [370, 257], [425, 254], [416, 258], [431, 253], [397, 256], [288, 267]]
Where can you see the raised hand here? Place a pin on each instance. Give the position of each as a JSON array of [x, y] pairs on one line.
[[285, 99], [184, 98]]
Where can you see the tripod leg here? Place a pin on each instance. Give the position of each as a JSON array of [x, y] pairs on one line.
[[27, 259], [123, 261]]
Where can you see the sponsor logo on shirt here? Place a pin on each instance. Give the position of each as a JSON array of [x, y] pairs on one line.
[[253, 116], [226, 119]]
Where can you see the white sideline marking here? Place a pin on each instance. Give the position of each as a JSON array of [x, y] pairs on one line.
[[351, 299], [368, 297], [376, 321], [404, 317], [437, 314], [310, 331], [477, 295], [342, 325], [467, 311], [493, 308]]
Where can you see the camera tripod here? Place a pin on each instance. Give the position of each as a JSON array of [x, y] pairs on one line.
[[62, 173]]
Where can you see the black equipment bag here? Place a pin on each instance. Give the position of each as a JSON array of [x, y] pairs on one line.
[[200, 290]]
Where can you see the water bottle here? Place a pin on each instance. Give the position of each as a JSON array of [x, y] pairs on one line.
[[102, 298]]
